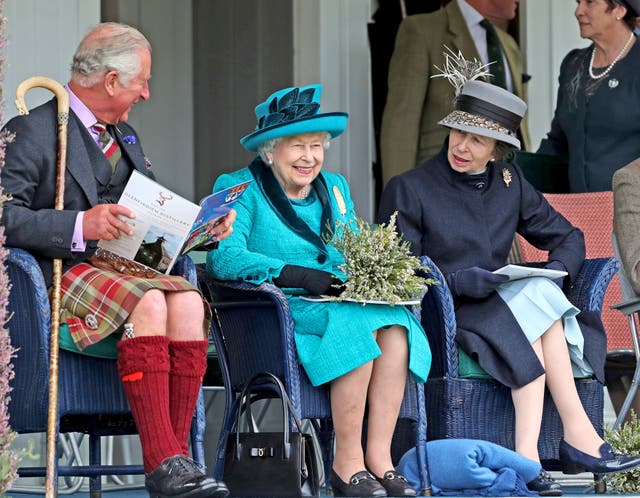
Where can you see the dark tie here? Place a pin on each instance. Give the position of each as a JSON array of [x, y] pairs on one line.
[[109, 145], [494, 51]]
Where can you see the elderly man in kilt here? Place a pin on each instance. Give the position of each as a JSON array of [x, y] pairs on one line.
[[162, 354]]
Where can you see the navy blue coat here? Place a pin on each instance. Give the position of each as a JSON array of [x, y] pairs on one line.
[[599, 134], [461, 221]]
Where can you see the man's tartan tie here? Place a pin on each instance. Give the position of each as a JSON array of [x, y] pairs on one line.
[[109, 145], [494, 51]]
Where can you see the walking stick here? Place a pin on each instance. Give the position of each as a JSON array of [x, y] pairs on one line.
[[63, 119]]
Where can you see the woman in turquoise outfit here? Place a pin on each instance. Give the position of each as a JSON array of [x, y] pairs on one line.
[[362, 351]]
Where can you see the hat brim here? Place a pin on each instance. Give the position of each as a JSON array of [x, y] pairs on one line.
[[332, 122], [502, 137]]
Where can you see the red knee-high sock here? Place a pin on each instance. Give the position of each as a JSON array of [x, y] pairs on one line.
[[188, 366], [143, 366]]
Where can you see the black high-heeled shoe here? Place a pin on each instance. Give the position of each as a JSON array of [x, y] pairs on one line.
[[574, 461], [361, 484]]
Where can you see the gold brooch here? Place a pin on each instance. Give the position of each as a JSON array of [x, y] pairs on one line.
[[506, 176], [342, 207]]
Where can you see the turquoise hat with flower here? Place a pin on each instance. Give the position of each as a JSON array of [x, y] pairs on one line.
[[293, 111]]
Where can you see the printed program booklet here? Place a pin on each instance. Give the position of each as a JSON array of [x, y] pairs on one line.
[[516, 272], [166, 224]]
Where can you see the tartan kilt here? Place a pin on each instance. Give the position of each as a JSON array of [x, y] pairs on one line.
[[96, 303]]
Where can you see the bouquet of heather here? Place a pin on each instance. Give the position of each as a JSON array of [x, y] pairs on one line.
[[378, 263]]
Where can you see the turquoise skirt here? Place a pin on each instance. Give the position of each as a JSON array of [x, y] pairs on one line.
[[337, 337], [536, 302]]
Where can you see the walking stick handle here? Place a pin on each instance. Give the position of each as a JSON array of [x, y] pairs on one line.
[[63, 119], [52, 416], [43, 82]]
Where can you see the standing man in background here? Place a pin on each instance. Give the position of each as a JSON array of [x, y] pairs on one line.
[[416, 102]]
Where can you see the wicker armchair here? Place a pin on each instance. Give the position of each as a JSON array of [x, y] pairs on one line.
[[253, 332], [482, 408], [90, 395]]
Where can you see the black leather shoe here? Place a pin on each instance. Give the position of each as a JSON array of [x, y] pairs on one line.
[[361, 484], [396, 484], [181, 477], [544, 485], [574, 461]]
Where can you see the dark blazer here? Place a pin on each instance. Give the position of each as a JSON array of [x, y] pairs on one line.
[[461, 221], [29, 176], [599, 134]]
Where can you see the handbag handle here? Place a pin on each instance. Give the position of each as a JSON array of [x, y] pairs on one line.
[[245, 400]]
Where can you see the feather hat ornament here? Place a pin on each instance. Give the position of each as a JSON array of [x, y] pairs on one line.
[[459, 70], [480, 107]]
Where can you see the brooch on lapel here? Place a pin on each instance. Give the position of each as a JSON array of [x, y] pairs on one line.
[[506, 176], [128, 139], [342, 206], [613, 83], [147, 162]]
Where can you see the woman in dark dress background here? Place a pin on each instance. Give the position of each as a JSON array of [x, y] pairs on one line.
[[596, 125]]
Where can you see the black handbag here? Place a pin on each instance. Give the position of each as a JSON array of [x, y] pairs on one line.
[[269, 463]]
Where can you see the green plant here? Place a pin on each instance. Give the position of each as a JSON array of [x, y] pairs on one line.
[[626, 439], [378, 263]]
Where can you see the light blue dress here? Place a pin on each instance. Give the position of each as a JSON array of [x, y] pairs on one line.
[[270, 232], [537, 302]]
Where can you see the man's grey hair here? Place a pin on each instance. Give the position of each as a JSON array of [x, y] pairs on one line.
[[269, 145], [108, 47]]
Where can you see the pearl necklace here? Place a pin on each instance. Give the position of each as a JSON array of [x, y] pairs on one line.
[[613, 62], [304, 192]]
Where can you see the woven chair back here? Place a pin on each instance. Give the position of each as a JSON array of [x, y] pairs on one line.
[[592, 212]]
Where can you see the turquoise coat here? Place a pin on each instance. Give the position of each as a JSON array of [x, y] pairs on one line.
[[272, 231]]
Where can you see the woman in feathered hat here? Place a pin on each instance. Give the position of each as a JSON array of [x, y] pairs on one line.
[[463, 208], [363, 352]]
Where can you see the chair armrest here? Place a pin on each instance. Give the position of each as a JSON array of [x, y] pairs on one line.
[[29, 295], [272, 347], [185, 267], [227, 294], [628, 307], [25, 262], [29, 329], [588, 288], [439, 321]]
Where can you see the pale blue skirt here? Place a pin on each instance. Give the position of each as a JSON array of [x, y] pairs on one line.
[[536, 302]]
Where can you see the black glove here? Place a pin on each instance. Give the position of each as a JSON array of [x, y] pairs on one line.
[[557, 265], [474, 282], [317, 282]]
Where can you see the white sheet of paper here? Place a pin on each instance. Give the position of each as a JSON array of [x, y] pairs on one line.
[[516, 272]]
